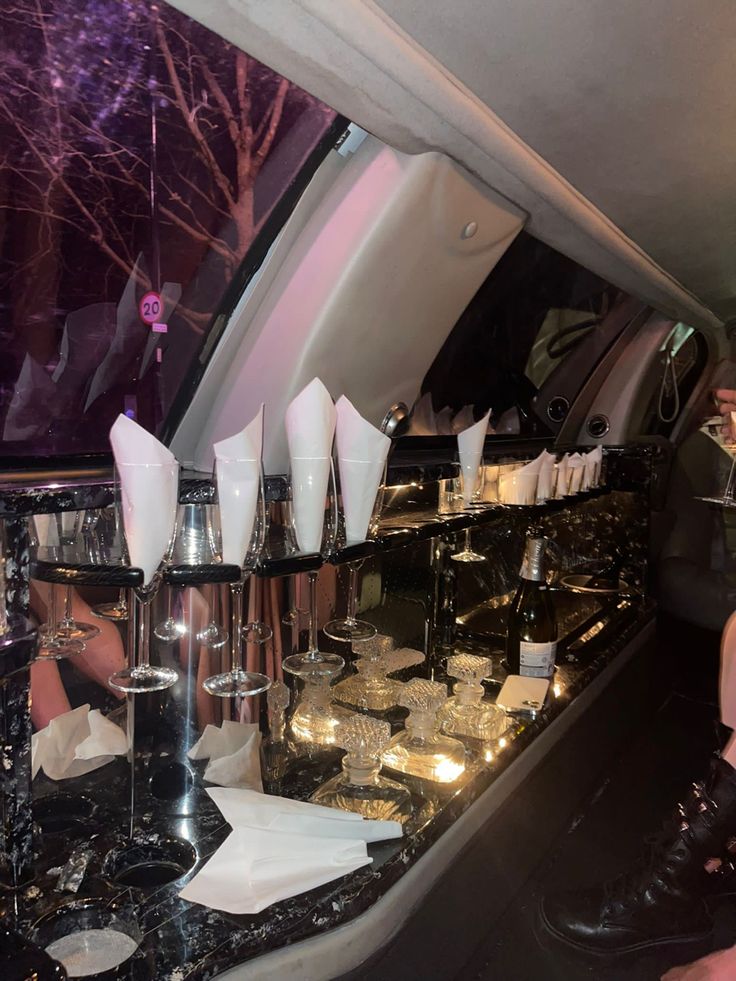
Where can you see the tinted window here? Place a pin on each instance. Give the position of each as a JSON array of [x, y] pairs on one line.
[[141, 155], [535, 308]]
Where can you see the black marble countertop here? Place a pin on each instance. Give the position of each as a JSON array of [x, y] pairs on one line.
[[187, 942]]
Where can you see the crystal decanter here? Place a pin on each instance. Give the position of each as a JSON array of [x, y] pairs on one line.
[[361, 787], [466, 714], [369, 689], [277, 750], [420, 749], [315, 716]]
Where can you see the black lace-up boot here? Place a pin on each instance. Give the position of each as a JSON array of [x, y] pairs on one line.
[[664, 901]]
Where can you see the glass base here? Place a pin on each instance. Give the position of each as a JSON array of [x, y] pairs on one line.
[[440, 759], [255, 633], [145, 678], [380, 800], [54, 648], [77, 630], [314, 664], [110, 611], [236, 684], [169, 630], [350, 631], [467, 555], [213, 636]]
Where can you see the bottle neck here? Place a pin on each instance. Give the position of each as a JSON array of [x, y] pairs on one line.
[[278, 727], [361, 770], [531, 568], [468, 693], [421, 724]]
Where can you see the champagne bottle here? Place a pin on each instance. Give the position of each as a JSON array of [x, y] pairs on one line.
[[531, 638]]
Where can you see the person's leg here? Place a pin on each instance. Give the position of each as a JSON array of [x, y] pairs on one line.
[[664, 901]]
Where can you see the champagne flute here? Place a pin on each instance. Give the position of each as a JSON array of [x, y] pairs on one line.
[[313, 661], [162, 479], [237, 682]]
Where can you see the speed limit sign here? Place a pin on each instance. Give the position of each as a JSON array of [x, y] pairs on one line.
[[150, 307]]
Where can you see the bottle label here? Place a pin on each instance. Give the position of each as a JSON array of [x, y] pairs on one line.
[[537, 660]]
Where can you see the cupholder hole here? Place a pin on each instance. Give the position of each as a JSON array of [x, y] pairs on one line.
[[63, 813], [149, 862]]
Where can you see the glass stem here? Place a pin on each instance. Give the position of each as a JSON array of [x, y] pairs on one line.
[[68, 606], [730, 481], [352, 592], [312, 579], [237, 589], [52, 612], [467, 539], [143, 658], [122, 604]]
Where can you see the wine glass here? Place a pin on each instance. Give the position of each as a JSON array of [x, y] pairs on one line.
[[305, 527], [150, 546], [212, 635], [472, 500], [69, 526], [237, 682], [51, 646], [116, 611], [349, 629], [108, 533]]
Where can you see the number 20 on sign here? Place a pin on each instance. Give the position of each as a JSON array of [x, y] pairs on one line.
[[150, 307]]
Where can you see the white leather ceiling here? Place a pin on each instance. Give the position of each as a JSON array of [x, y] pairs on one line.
[[633, 101], [611, 124]]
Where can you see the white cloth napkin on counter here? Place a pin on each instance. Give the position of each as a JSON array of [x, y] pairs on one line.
[[75, 743], [233, 751], [470, 450], [592, 463], [247, 808], [254, 868], [362, 451], [238, 474], [310, 428], [149, 490], [576, 467]]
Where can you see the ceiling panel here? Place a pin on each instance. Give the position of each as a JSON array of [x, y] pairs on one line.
[[633, 102]]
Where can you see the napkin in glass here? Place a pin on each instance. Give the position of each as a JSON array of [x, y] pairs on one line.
[[310, 428], [519, 486], [592, 462], [362, 451], [545, 478], [576, 467], [149, 489], [470, 450], [246, 808], [563, 477], [254, 868], [75, 743], [238, 474]]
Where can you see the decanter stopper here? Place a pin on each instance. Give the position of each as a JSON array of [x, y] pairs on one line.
[[468, 668], [423, 696], [375, 648], [363, 736]]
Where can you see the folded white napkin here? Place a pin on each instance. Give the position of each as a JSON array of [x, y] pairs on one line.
[[519, 486], [563, 477], [149, 485], [545, 477], [233, 751], [470, 450], [362, 451], [247, 808], [592, 464], [254, 868], [576, 467], [310, 427], [238, 473], [75, 743]]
